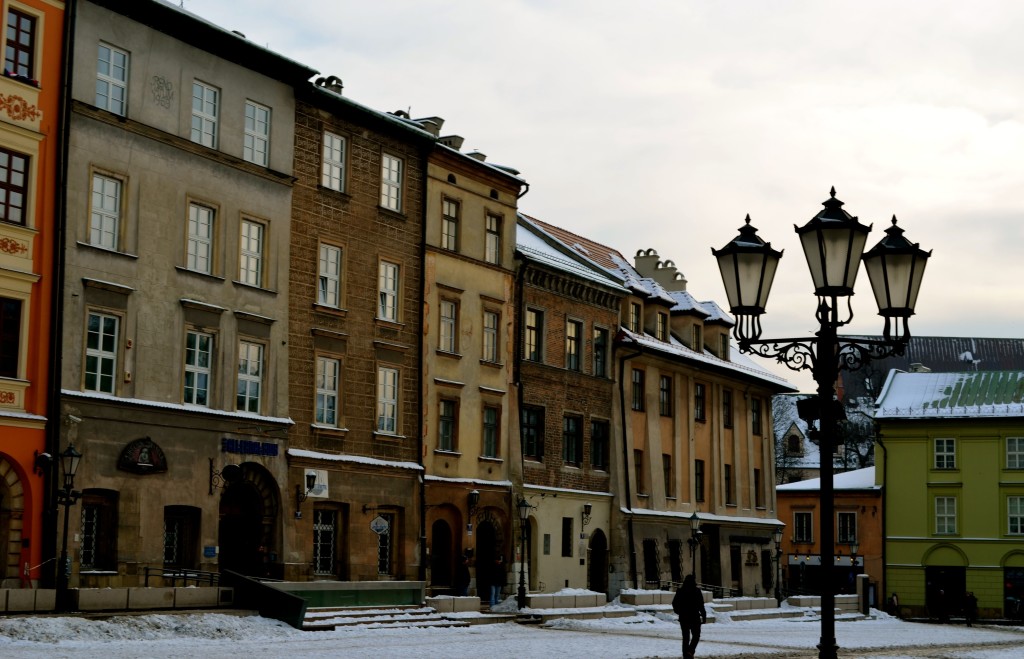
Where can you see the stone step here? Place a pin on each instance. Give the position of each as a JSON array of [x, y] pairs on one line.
[[328, 619]]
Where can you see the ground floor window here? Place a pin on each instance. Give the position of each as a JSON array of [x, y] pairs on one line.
[[325, 535], [385, 546], [98, 549], [651, 572], [181, 537]]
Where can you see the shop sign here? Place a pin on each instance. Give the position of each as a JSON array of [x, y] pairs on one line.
[[248, 447], [379, 525]]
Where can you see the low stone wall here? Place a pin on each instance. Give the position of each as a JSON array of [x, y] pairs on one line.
[[27, 600], [556, 601], [451, 604], [843, 602], [143, 599]]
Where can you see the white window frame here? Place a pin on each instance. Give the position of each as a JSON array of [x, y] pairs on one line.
[[328, 372], [197, 376], [945, 515], [1015, 452], [492, 240], [635, 318], [391, 182], [101, 354], [256, 140], [105, 212], [945, 452], [388, 288], [448, 330], [447, 425], [491, 433], [661, 326], [199, 252], [250, 376], [492, 320], [387, 400], [1015, 515], [112, 77], [251, 243], [205, 110], [797, 527], [851, 521], [332, 169], [329, 280], [573, 345], [450, 210], [533, 345]]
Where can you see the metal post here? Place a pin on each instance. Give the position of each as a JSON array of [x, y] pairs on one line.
[[521, 594], [64, 567], [826, 371], [778, 574]]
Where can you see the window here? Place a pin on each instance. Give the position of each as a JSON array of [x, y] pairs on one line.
[[199, 251], [450, 225], [329, 281], [205, 106], [945, 453], [447, 426], [638, 468], [661, 328], [573, 339], [391, 183], [387, 400], [1015, 452], [21, 44], [698, 479], [250, 259], [388, 306], [846, 527], [666, 469], [534, 330], [1015, 515], [755, 415], [532, 431], [723, 346], [698, 338], [600, 352], [727, 408], [699, 402], [101, 342], [325, 533], [181, 537], [256, 142], [599, 445], [105, 220], [638, 393], [112, 79], [14, 186], [198, 362], [449, 311], [250, 376], [945, 515], [567, 536], [652, 573], [730, 497], [327, 371], [802, 523], [10, 336], [333, 167], [492, 436], [572, 440], [490, 347], [492, 240], [665, 395], [758, 493], [385, 545], [98, 548], [634, 317]]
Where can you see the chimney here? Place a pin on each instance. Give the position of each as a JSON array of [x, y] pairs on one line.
[[476, 155], [919, 368], [431, 124], [331, 83], [645, 261], [452, 141]]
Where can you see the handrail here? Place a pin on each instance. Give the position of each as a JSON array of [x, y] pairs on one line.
[[185, 576]]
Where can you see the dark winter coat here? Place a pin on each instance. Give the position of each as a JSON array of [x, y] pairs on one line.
[[689, 605]]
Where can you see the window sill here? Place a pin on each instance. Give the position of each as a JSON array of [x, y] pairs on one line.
[[731, 505], [98, 573], [529, 459], [326, 309], [107, 250], [490, 364], [386, 435], [448, 452], [390, 324], [488, 458], [205, 275], [571, 465], [668, 498], [450, 355], [642, 495], [391, 213], [322, 429], [340, 194], [253, 287]]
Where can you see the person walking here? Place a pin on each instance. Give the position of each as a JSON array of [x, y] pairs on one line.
[[688, 604], [970, 608], [497, 579], [462, 576]]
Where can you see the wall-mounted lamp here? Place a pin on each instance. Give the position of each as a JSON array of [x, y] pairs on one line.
[[587, 509], [473, 500], [301, 496]]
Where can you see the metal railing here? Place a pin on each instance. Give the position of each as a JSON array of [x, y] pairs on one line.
[[717, 592], [186, 577]]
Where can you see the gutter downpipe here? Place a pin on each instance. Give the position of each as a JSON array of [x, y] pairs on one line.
[[625, 462], [880, 601], [420, 448]]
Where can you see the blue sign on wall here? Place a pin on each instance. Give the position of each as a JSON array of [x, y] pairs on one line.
[[248, 447]]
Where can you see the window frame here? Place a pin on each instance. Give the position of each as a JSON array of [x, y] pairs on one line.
[[448, 425], [333, 153], [111, 81], [944, 453], [451, 210], [531, 432], [391, 179], [386, 546], [637, 402], [1014, 515], [945, 518], [492, 238], [328, 530], [572, 440], [573, 344], [247, 256], [184, 539], [668, 474], [491, 433], [600, 351], [388, 377], [101, 355], [98, 546], [661, 326], [249, 352], [17, 45], [756, 422], [448, 326], [325, 278], [389, 286], [12, 329], [196, 370], [207, 133], [252, 137], [635, 318], [1016, 453], [599, 444], [327, 389], [24, 190], [665, 395], [194, 240], [533, 347], [490, 349], [103, 216], [700, 402], [803, 531], [699, 476], [846, 538], [697, 338], [638, 472], [729, 485]]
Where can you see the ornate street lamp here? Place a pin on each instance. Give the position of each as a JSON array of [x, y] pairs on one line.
[[524, 508], [833, 242], [777, 537], [66, 496], [694, 542]]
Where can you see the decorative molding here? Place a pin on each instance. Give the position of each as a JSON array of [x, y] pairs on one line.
[[12, 246], [19, 109]]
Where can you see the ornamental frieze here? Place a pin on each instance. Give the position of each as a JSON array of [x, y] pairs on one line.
[[18, 108], [12, 246]]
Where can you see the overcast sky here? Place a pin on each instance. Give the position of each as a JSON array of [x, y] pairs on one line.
[[661, 124]]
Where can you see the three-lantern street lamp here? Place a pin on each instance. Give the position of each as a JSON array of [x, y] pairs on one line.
[[833, 243]]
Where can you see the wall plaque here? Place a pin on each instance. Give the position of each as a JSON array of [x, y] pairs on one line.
[[143, 456]]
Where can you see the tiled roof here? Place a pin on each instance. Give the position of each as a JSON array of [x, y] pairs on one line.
[[603, 255], [952, 395]]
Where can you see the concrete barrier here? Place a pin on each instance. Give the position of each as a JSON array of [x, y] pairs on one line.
[[21, 600], [196, 598], [100, 599], [150, 598], [442, 604], [46, 600]]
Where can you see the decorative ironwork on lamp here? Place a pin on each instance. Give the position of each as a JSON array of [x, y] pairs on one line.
[[301, 495]]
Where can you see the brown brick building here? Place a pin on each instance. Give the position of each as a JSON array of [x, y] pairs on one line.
[[354, 341]]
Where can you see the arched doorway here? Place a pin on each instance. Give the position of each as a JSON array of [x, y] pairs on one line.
[[597, 565], [442, 558], [248, 519], [486, 554], [12, 507]]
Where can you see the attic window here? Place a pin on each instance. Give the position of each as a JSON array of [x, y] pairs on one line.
[[494, 193], [793, 445], [451, 178]]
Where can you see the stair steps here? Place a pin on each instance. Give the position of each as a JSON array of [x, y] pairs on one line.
[[331, 618]]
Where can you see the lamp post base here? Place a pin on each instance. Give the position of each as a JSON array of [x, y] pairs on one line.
[[827, 649]]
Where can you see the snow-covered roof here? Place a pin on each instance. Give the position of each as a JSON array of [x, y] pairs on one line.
[[531, 243], [989, 394], [717, 313], [355, 459], [686, 303], [859, 479]]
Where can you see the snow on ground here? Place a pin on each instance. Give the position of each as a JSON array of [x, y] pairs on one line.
[[220, 635]]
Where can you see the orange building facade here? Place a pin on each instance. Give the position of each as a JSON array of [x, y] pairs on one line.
[[30, 96]]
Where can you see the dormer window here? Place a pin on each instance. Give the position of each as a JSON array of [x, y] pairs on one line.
[[793, 445], [634, 318], [723, 348], [662, 328], [698, 338]]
